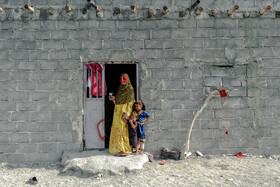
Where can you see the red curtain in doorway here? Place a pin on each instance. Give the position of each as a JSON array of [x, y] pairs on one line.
[[92, 78]]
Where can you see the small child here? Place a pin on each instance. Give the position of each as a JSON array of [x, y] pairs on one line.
[[143, 116], [132, 129]]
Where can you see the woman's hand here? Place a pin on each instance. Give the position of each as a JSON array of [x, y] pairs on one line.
[[112, 98]]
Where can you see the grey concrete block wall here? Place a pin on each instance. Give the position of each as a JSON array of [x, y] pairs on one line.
[[181, 60]]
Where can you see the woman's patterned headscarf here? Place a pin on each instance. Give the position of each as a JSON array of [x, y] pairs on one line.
[[125, 92]]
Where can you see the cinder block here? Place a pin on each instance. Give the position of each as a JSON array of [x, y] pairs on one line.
[[51, 157], [92, 44], [20, 55], [4, 75], [7, 106], [71, 65], [207, 23], [166, 24], [18, 75], [46, 85], [163, 135], [60, 116], [19, 137], [42, 75], [59, 55], [20, 116], [210, 145], [37, 158], [27, 127], [140, 34], [67, 25], [67, 85], [181, 74], [107, 25], [133, 44], [80, 34], [40, 116], [184, 53], [212, 81], [127, 24], [181, 94], [6, 34], [39, 55], [192, 104], [47, 148], [19, 96], [172, 104], [48, 106], [27, 85], [61, 137], [15, 25], [59, 75], [65, 127], [163, 115], [237, 33], [181, 33], [187, 23], [173, 44], [52, 44], [5, 44], [182, 114], [121, 34], [47, 127], [161, 74], [3, 158], [100, 34], [146, 24], [23, 34], [69, 105], [40, 136], [27, 148], [227, 23], [173, 85], [4, 138], [159, 34], [169, 125], [268, 142], [72, 44], [88, 24], [112, 44], [16, 158], [42, 35], [25, 44], [28, 65], [39, 96]]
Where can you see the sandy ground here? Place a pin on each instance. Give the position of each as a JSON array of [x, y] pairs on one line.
[[195, 171]]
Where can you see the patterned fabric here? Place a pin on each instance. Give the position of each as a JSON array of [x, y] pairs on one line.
[[125, 93], [119, 139], [140, 120]]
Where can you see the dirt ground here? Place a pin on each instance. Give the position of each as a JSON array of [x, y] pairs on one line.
[[194, 171]]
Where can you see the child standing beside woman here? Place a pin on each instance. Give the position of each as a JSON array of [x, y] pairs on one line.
[[143, 116], [132, 130]]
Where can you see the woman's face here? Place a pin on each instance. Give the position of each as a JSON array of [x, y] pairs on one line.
[[124, 80], [138, 107]]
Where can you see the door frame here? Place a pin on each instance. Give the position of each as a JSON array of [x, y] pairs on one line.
[[85, 90]]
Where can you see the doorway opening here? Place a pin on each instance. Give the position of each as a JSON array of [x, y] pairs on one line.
[[98, 109]]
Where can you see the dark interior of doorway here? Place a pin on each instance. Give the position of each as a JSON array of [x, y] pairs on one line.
[[112, 77]]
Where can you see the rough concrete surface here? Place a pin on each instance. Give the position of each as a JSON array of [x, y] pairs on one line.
[[196, 171], [101, 163]]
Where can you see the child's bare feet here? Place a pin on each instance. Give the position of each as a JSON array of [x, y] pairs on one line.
[[141, 153]]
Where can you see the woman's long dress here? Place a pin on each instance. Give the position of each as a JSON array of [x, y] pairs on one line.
[[119, 139]]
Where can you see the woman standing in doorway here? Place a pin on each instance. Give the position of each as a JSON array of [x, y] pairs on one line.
[[119, 139]]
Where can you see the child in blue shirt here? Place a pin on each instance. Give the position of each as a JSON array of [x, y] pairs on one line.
[[143, 116]]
